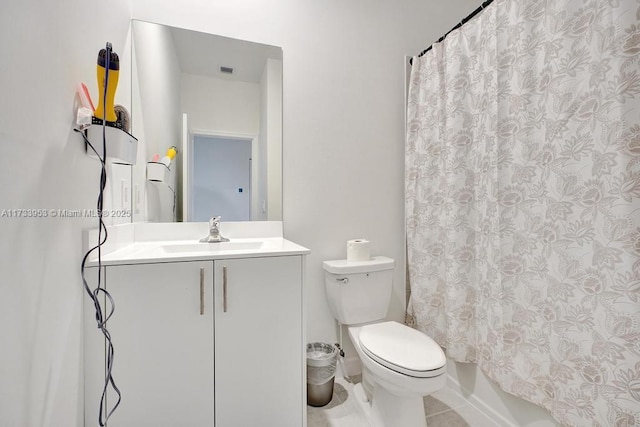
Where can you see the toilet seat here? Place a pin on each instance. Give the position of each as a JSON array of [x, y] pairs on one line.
[[402, 349]]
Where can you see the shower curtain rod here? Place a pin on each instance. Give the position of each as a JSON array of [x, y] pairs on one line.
[[460, 24]]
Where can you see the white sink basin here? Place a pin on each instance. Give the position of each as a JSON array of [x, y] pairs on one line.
[[213, 247]]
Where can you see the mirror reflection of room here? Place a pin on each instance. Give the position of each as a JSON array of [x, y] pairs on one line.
[[219, 101]]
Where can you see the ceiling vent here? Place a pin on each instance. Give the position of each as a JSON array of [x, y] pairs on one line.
[[226, 70]]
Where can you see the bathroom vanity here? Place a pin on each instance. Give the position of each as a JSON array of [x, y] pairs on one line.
[[205, 334]]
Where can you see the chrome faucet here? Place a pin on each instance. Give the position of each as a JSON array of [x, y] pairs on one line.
[[214, 232]]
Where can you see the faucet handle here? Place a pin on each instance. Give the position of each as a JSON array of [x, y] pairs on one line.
[[214, 224], [214, 231]]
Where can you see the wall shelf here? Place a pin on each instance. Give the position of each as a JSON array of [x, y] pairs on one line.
[[121, 146], [158, 172]]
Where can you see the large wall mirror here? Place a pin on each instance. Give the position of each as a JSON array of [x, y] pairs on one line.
[[218, 100]]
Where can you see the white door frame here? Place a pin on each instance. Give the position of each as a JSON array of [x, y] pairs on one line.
[[187, 164]]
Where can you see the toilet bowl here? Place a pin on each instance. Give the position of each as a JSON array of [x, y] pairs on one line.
[[402, 368], [400, 365]]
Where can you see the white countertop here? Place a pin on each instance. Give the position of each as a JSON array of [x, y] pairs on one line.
[[153, 243]]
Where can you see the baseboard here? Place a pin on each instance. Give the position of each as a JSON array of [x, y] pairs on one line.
[[478, 403], [506, 410]]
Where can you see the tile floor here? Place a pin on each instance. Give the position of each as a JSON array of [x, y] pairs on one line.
[[444, 409]]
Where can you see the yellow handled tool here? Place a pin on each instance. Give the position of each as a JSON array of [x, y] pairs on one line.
[[107, 60]]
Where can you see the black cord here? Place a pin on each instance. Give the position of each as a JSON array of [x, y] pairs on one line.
[[174, 202], [101, 316]]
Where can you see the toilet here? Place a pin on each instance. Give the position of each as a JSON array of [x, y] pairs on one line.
[[400, 365]]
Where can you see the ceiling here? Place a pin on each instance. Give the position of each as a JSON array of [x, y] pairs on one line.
[[204, 54]]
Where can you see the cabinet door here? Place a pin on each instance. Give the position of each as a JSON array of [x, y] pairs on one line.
[[258, 342], [163, 361]]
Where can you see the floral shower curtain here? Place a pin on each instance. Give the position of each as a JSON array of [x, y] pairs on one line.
[[523, 202]]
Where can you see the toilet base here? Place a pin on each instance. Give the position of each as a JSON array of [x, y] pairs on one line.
[[388, 410]]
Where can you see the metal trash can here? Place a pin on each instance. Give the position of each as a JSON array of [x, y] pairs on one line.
[[321, 370]]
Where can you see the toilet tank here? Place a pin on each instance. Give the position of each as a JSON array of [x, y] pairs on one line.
[[359, 292]]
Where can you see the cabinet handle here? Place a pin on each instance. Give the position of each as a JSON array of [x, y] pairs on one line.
[[224, 289], [201, 291]]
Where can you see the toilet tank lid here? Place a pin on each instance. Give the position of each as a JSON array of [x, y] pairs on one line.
[[343, 266]]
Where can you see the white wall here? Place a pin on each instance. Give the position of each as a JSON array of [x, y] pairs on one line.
[[157, 123], [47, 47], [343, 116], [221, 105], [260, 180], [159, 85], [272, 133]]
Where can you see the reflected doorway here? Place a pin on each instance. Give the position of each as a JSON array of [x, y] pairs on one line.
[[220, 178]]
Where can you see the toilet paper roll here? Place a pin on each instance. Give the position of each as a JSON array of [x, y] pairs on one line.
[[358, 250]]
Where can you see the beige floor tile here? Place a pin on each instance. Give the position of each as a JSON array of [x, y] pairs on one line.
[[341, 411], [444, 409], [447, 419], [465, 416]]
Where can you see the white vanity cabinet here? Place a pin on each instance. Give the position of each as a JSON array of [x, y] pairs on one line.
[[258, 342], [202, 343], [163, 361]]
